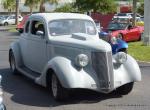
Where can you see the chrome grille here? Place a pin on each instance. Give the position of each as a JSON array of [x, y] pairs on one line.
[[102, 64]]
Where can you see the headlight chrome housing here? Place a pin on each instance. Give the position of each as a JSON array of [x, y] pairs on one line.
[[121, 57], [82, 60]]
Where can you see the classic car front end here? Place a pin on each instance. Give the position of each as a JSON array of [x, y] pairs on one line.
[[68, 54], [92, 66]]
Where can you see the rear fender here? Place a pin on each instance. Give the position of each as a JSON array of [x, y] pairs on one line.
[[15, 48]]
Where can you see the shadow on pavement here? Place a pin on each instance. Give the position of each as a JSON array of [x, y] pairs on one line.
[[26, 92]]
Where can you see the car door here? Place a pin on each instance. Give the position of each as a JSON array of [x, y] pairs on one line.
[[37, 46], [11, 20], [131, 33]]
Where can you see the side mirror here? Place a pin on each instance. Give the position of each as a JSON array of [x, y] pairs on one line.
[[40, 33]]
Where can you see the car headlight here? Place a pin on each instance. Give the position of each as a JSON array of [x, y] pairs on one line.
[[121, 57], [82, 60], [113, 40]]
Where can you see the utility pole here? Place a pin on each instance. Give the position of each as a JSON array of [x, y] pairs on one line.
[[17, 11], [146, 36], [134, 12]]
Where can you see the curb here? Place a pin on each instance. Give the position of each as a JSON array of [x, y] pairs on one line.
[[143, 63]]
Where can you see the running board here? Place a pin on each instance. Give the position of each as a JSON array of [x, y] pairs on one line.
[[29, 73]]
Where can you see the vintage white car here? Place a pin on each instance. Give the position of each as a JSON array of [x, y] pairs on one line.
[[62, 51]]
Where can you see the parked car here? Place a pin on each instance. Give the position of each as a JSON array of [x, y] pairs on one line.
[[118, 45], [20, 26], [126, 15], [139, 21], [125, 31], [62, 51], [9, 19], [2, 106]]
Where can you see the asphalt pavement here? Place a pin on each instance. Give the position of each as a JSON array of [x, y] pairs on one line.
[[22, 94]]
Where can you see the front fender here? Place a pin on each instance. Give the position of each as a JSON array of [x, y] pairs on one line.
[[127, 72], [133, 68], [68, 74]]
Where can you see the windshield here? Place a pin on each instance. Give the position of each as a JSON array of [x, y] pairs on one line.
[[117, 26], [70, 26], [121, 14]]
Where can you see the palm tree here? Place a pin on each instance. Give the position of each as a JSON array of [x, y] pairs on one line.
[[41, 2], [9, 4], [31, 4]]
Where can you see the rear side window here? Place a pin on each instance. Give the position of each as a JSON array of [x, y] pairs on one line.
[[27, 27]]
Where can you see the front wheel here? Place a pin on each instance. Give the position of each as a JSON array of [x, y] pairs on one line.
[[58, 92], [5, 24], [125, 89], [12, 63]]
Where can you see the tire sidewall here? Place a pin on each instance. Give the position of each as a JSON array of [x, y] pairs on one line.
[[12, 63], [62, 93]]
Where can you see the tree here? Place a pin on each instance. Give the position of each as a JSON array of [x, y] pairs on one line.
[[140, 9], [103, 6], [41, 2], [9, 4], [31, 4], [69, 7]]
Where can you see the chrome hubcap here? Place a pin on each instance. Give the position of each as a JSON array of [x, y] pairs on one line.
[[54, 85]]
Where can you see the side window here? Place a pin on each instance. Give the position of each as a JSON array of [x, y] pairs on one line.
[[37, 26], [14, 17], [27, 27]]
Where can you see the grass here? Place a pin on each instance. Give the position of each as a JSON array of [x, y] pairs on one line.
[[139, 51], [12, 30]]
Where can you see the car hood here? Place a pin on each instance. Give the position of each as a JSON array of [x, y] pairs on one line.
[[82, 41]]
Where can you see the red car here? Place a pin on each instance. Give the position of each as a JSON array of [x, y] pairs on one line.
[[125, 31], [20, 26]]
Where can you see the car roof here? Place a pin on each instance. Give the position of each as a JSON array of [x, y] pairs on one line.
[[54, 16]]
